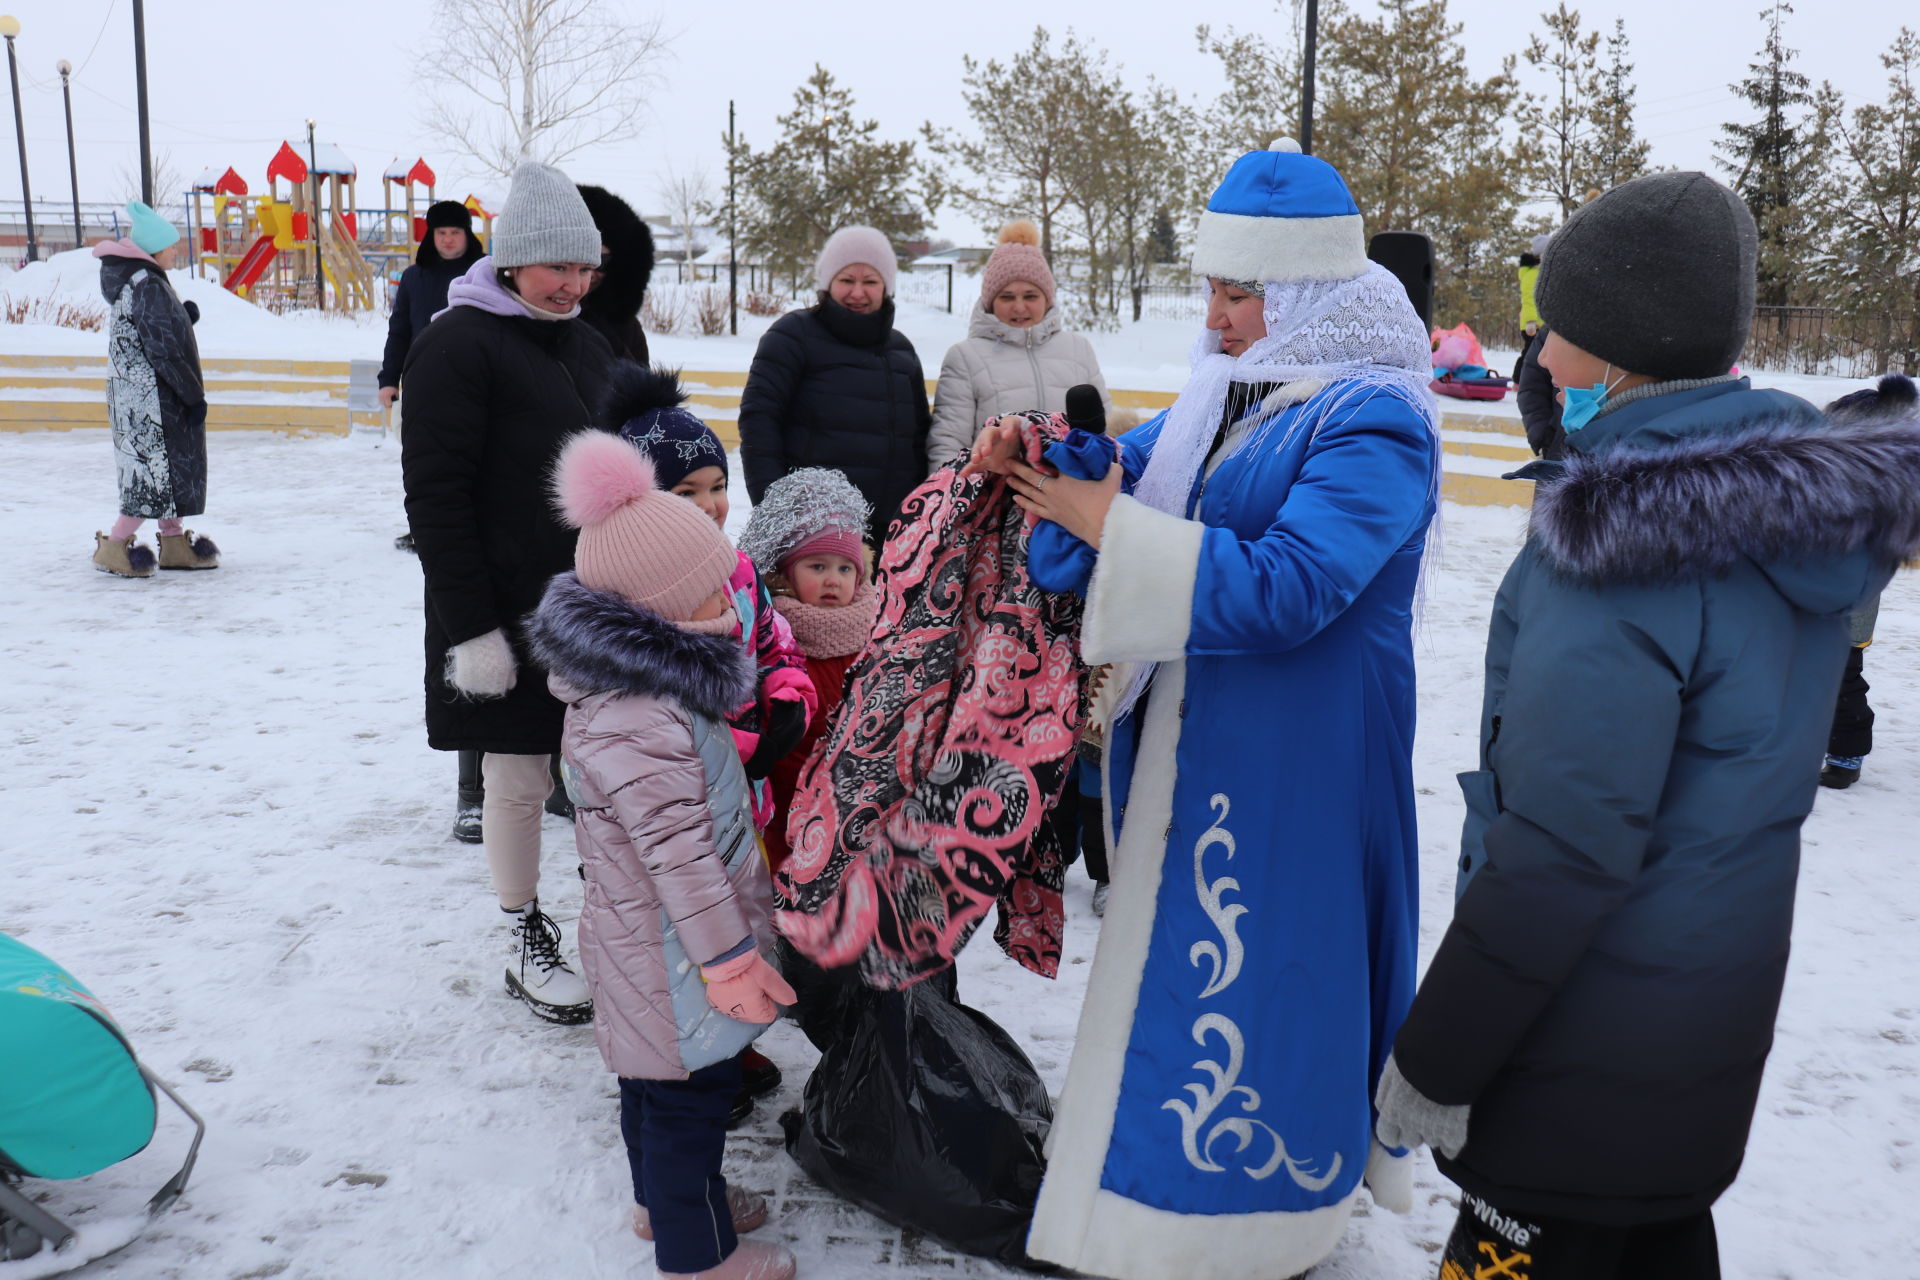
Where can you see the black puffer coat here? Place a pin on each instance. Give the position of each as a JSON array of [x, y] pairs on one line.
[[489, 399], [422, 294], [830, 388], [614, 305]]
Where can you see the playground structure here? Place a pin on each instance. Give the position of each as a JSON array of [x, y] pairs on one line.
[[263, 247]]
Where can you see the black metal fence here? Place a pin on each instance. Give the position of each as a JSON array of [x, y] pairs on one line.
[[1822, 340]]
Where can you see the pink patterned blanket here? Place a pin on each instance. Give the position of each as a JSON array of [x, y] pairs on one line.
[[923, 806]]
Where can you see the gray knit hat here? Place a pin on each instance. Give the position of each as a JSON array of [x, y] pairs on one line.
[[1655, 277], [544, 220]]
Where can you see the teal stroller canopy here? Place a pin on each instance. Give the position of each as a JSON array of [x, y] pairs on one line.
[[73, 1097]]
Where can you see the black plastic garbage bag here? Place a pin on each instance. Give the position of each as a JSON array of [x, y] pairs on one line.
[[926, 1113]]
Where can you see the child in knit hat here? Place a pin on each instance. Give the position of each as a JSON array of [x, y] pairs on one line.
[[675, 931], [648, 408], [809, 526]]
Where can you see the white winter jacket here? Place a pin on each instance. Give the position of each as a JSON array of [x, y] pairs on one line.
[[999, 369]]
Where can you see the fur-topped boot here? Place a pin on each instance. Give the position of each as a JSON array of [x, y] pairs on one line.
[[122, 557], [188, 550]]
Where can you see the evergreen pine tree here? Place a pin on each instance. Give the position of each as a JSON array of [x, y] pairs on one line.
[[1164, 242], [1619, 153], [1419, 141], [1872, 272], [1775, 164], [1558, 129], [829, 169]]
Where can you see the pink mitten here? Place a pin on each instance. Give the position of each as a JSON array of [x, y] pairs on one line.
[[747, 988]]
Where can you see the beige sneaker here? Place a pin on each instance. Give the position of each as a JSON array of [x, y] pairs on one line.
[[750, 1260], [186, 551], [124, 558]]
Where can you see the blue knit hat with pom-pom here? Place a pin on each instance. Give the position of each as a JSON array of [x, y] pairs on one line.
[[648, 407]]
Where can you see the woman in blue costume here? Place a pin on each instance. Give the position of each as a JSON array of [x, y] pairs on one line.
[[1255, 588]]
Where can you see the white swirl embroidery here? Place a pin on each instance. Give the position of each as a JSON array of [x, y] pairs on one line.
[[1226, 963], [1241, 1128], [1200, 1131]]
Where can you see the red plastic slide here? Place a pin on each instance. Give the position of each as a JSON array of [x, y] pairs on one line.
[[252, 265]]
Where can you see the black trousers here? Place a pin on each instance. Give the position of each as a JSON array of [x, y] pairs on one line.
[[1852, 718], [1490, 1244]]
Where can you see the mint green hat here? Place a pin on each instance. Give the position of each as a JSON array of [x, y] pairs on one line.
[[150, 231]]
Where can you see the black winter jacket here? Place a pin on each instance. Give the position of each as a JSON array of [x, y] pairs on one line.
[[421, 296], [1539, 407], [489, 399], [829, 388], [1661, 671]]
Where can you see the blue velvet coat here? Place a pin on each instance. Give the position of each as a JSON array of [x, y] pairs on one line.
[[1257, 954]]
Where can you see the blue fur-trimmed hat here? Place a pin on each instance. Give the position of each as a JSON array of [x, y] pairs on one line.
[[1281, 215], [648, 407]]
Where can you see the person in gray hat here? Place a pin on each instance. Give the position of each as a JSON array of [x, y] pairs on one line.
[[495, 384], [1585, 1051]]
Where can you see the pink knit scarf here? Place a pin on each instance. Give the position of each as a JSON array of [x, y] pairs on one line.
[[832, 633]]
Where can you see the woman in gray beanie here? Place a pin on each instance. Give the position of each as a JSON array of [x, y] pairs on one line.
[[494, 385], [1585, 1050]]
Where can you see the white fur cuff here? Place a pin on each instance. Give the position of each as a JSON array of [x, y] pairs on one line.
[[1140, 603], [1390, 1179], [483, 667]]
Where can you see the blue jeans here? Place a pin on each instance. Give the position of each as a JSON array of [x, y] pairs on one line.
[[676, 1134]]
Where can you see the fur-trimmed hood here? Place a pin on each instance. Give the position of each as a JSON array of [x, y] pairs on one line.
[[629, 261], [1797, 498], [598, 642]]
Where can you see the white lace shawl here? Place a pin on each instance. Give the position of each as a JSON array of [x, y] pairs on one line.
[[1357, 336]]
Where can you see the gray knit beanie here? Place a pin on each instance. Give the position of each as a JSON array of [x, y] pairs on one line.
[[544, 220], [1656, 277]]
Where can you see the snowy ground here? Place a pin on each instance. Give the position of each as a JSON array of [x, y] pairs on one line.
[[220, 813]]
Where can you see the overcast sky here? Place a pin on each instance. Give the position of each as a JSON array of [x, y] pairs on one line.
[[228, 82]]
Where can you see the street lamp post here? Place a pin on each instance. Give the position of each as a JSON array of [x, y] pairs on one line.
[[1306, 77], [73, 165], [140, 101], [10, 27], [313, 220]]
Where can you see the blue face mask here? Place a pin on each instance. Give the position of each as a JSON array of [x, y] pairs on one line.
[[1583, 404]]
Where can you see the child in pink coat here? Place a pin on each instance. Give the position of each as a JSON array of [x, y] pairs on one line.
[[674, 931]]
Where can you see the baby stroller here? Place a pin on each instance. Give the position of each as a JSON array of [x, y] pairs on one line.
[[73, 1100]]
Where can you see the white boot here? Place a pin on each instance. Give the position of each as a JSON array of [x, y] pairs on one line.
[[551, 989]]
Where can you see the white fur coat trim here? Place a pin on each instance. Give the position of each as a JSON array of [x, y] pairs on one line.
[[1140, 602], [1239, 246]]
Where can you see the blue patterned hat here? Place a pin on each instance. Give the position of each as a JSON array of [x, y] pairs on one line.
[[648, 407]]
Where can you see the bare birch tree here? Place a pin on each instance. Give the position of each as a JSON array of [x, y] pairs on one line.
[[690, 201], [543, 80]]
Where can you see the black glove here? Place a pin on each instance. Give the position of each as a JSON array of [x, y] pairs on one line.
[[192, 310], [786, 721]]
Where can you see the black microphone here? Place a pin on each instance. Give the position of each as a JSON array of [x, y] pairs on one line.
[[1086, 411]]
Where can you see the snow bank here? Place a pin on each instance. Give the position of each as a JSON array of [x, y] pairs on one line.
[[229, 324]]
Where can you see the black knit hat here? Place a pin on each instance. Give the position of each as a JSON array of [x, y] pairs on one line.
[[1655, 277], [449, 213]]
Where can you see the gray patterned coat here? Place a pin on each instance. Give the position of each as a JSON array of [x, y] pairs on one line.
[[156, 403]]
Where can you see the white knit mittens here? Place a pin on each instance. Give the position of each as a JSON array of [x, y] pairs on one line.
[[483, 667]]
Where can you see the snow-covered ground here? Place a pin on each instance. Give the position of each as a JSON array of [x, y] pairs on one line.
[[220, 813]]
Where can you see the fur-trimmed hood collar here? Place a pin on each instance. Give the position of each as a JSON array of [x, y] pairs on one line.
[[1814, 506], [598, 642]]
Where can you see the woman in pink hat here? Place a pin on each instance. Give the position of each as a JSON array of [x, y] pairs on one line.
[[1017, 355]]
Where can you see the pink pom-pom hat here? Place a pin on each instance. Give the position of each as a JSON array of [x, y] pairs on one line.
[[639, 541]]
